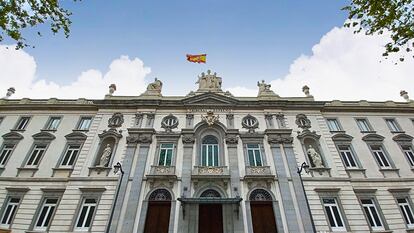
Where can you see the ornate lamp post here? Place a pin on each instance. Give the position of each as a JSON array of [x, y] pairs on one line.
[[305, 166], [117, 167]]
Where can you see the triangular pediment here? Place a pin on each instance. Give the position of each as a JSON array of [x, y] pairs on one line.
[[210, 99]]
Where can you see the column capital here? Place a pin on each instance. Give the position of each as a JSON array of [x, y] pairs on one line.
[[279, 136], [187, 137]]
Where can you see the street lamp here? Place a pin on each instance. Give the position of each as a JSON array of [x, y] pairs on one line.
[[305, 166], [117, 168]]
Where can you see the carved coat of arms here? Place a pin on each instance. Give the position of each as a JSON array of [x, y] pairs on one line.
[[210, 118]]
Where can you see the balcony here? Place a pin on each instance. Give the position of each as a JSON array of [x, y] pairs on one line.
[[259, 174], [162, 175]]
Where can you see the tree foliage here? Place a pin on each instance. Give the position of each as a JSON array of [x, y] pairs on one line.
[[378, 16], [16, 15]]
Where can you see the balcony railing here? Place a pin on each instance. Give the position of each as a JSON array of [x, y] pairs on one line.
[[162, 171], [218, 171], [259, 171]]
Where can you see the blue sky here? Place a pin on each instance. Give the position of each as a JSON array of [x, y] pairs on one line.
[[288, 43], [245, 40]]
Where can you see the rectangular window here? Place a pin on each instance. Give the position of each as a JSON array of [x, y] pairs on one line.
[[9, 211], [363, 125], [254, 154], [70, 156], [406, 211], [347, 156], [209, 156], [393, 125], [22, 123], [166, 154], [46, 213], [334, 214], [53, 123], [371, 214], [408, 151], [380, 156], [36, 155], [333, 125], [85, 215], [5, 153], [84, 123]]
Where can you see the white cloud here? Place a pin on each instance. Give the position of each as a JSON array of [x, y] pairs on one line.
[[242, 91], [19, 71], [346, 66]]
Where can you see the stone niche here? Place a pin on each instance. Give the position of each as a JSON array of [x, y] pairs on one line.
[[105, 154]]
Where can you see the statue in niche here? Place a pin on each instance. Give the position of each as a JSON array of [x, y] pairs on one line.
[[106, 156], [154, 88], [315, 156], [264, 89], [209, 81]]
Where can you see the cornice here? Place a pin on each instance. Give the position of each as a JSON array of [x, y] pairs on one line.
[[203, 101]]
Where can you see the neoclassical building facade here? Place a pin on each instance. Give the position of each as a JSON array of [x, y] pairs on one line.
[[207, 162]]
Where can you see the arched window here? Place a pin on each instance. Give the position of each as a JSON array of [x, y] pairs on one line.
[[160, 195], [260, 195], [210, 193], [209, 151]]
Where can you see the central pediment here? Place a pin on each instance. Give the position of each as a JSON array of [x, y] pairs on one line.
[[210, 99]]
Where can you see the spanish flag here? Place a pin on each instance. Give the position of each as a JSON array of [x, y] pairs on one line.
[[200, 58]]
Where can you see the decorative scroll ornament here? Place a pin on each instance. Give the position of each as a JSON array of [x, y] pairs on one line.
[[116, 120], [210, 119], [303, 122]]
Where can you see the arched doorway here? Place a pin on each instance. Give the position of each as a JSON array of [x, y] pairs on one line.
[[261, 207], [210, 216], [158, 214]]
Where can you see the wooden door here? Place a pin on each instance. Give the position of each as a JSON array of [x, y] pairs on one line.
[[158, 217], [263, 218], [210, 218]]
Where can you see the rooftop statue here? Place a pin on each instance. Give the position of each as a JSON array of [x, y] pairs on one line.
[[154, 88], [209, 82], [264, 89]]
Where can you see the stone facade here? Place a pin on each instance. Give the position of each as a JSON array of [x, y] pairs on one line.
[[137, 130]]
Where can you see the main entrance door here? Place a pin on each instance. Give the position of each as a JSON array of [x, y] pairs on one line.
[[261, 207], [210, 218], [158, 214]]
